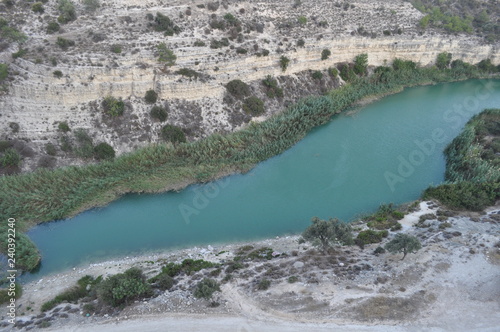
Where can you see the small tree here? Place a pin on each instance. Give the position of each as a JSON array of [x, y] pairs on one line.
[[151, 96], [166, 55], [443, 60], [361, 64], [253, 105], [325, 54], [67, 10], [328, 232], [403, 243], [121, 289], [173, 134], [104, 151], [284, 61], [206, 288]]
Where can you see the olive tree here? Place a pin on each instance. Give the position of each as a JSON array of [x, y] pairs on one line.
[[328, 232], [403, 243]]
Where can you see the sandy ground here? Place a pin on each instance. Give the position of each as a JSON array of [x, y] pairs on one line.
[[451, 284]]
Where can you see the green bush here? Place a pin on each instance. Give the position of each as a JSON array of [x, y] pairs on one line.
[[4, 71], [57, 74], [159, 113], [325, 54], [14, 126], [37, 7], [253, 106], [224, 42], [4, 293], [206, 288], [85, 148], [91, 5], [10, 158], [346, 72], [271, 86], [50, 149], [302, 20], [164, 23], [443, 60], [164, 281], [188, 72], [73, 294], [284, 61], [104, 151], [65, 43], [116, 48], [301, 42], [63, 127], [166, 55], [317, 75], [67, 10], [19, 54], [361, 64], [151, 96], [369, 236], [53, 27], [264, 284], [123, 288], [173, 134], [199, 43], [112, 106], [238, 89]]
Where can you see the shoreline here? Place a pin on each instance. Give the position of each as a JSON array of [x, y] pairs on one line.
[[240, 304]]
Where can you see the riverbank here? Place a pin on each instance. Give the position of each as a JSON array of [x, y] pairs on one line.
[[450, 284]]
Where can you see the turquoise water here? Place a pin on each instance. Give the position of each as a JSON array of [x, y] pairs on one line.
[[389, 151]]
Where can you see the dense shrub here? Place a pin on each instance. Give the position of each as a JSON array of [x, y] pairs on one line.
[[361, 64], [219, 43], [253, 105], [271, 87], [73, 294], [159, 113], [4, 71], [238, 89], [53, 27], [14, 126], [19, 54], [10, 158], [206, 288], [63, 127], [317, 75], [4, 294], [104, 151], [325, 54], [166, 55], [164, 23], [443, 60], [199, 43], [264, 284], [301, 42], [123, 288], [151, 96], [188, 73], [370, 236], [50, 149], [91, 5], [65, 43], [173, 134], [284, 61], [85, 148], [112, 106], [116, 48], [333, 72], [57, 73], [346, 72], [302, 20], [67, 10], [37, 7]]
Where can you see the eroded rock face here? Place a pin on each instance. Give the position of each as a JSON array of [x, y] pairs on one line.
[[38, 100]]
